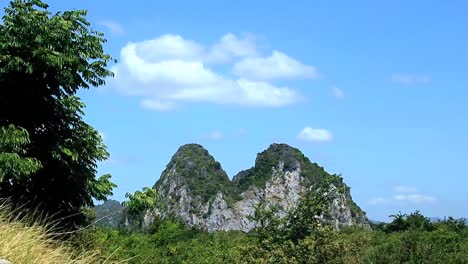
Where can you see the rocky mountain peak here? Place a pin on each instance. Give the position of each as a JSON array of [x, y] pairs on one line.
[[193, 169], [195, 188]]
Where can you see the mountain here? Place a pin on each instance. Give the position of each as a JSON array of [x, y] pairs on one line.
[[195, 188], [111, 214]]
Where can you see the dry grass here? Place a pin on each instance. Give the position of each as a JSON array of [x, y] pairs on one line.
[[27, 241]]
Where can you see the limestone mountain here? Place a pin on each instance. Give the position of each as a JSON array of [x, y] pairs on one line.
[[195, 188], [110, 214]]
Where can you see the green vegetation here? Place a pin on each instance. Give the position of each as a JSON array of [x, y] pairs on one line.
[[299, 238], [48, 154], [203, 174], [172, 242], [292, 158], [109, 214], [48, 161]]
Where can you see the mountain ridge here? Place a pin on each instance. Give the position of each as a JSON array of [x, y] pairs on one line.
[[195, 188]]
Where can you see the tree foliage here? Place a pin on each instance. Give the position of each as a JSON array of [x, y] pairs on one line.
[[12, 146], [141, 201], [45, 59]]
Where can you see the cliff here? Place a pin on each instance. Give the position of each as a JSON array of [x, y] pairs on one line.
[[195, 188]]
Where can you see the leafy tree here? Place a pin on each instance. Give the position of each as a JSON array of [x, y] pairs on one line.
[[403, 222], [303, 236], [12, 143], [141, 201], [44, 60]]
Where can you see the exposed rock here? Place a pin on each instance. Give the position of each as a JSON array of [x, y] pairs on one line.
[[196, 189]]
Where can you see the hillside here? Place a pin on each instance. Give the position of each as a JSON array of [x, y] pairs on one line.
[[195, 188], [110, 214]]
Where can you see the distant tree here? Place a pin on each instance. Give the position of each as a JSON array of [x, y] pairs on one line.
[[140, 202], [403, 222], [303, 236], [398, 224], [44, 60]]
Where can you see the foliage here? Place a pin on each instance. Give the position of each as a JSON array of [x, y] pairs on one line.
[[138, 204], [202, 173], [110, 213], [45, 59], [172, 242], [302, 236], [292, 158], [141, 201], [12, 145]]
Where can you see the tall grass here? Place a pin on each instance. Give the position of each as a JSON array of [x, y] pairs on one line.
[[27, 239]]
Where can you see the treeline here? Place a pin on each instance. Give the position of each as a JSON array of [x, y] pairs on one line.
[[303, 236], [48, 164], [407, 239]]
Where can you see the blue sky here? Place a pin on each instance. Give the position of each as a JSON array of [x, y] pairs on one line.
[[374, 90]]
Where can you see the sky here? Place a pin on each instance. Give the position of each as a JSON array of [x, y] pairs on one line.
[[374, 90]]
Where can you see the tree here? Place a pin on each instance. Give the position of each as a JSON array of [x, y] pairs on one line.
[[44, 60], [304, 235], [141, 201], [12, 142]]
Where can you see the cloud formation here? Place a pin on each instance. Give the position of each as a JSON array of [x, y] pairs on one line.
[[404, 189], [214, 135], [338, 93], [404, 194], [158, 105], [410, 79], [169, 70], [276, 66], [113, 27], [414, 198], [310, 134], [376, 201]]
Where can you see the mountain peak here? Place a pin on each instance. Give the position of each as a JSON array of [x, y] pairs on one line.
[[196, 188], [193, 166]]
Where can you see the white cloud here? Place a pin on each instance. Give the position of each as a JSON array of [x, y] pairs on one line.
[[414, 198], [166, 47], [405, 189], [170, 69], [410, 79], [377, 201], [215, 135], [338, 93], [404, 194], [159, 105], [314, 134], [113, 27], [231, 46], [277, 66]]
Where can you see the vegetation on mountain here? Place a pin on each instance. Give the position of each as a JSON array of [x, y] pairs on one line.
[[48, 161], [203, 174], [110, 214], [310, 242]]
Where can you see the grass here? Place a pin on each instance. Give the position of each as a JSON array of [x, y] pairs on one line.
[[28, 240]]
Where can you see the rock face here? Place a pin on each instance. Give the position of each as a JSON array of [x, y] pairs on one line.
[[196, 189]]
